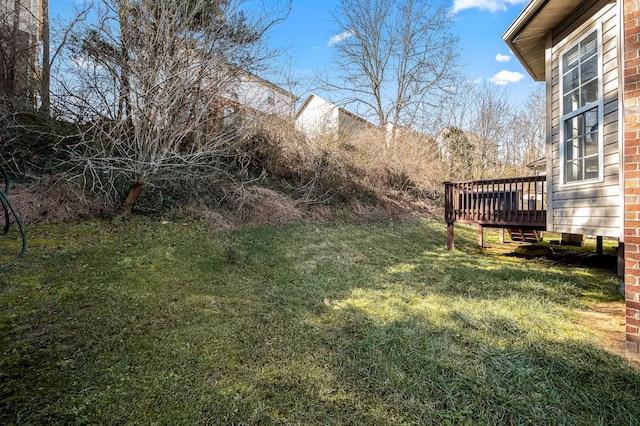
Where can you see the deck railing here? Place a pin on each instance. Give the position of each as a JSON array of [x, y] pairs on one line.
[[501, 203]]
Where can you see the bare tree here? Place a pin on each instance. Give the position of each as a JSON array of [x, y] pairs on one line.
[[458, 154], [394, 57], [491, 112], [534, 131], [150, 81], [45, 106], [484, 135]]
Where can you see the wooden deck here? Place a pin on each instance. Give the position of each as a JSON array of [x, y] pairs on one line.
[[513, 203]]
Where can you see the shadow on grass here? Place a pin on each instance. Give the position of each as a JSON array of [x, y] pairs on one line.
[[436, 373]]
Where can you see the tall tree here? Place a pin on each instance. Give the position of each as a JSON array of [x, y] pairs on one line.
[[491, 113], [524, 138], [394, 56]]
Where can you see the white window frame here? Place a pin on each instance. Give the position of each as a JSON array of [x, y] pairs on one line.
[[598, 103], [271, 97]]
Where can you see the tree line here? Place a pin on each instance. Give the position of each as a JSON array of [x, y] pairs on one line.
[[133, 87]]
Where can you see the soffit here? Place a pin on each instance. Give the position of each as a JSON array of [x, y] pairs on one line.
[[527, 35]]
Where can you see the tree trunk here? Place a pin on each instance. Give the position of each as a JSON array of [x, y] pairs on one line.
[[132, 197]]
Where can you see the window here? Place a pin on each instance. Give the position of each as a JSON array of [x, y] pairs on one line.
[[271, 97], [229, 116], [581, 110]]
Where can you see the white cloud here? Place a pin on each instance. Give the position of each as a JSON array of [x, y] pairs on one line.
[[340, 37], [506, 77], [490, 5], [502, 58], [85, 63]]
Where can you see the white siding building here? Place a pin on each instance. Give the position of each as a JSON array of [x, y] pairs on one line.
[[20, 27], [317, 117], [250, 91]]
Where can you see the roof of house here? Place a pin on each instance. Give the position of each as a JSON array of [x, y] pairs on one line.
[[538, 165], [267, 83], [526, 36]]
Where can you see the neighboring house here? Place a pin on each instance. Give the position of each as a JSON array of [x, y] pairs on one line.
[[248, 91], [317, 117], [20, 33], [399, 132], [539, 167], [588, 52]]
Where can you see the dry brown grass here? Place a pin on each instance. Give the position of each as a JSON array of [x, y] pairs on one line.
[[262, 205], [52, 200], [360, 176], [277, 175], [607, 319], [363, 166]]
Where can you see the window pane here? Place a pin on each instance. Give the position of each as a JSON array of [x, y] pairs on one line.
[[570, 59], [573, 171], [589, 92], [591, 120], [589, 69], [572, 149], [591, 167], [571, 80], [591, 144], [580, 169], [571, 101], [571, 129], [589, 45]]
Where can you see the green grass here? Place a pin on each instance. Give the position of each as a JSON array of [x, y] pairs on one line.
[[150, 323]]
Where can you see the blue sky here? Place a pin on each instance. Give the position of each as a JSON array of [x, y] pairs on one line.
[[307, 31], [479, 24]]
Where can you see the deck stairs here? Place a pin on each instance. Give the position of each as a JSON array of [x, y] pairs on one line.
[[525, 235]]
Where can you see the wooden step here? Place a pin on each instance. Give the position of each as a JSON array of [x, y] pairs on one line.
[[525, 235]]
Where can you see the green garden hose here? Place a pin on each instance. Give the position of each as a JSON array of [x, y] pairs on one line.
[[8, 209]]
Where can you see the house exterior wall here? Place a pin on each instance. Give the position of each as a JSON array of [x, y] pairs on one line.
[[631, 21], [318, 117], [590, 207], [348, 123], [29, 15], [264, 97], [621, 49], [20, 25]]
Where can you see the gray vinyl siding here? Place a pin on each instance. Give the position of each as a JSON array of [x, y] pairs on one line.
[[592, 208]]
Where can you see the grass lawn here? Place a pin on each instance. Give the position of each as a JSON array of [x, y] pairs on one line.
[[152, 323]]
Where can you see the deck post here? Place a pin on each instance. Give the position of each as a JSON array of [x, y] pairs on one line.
[[501, 235], [450, 236], [599, 247], [480, 236]]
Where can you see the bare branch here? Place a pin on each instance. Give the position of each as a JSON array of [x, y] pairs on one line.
[[148, 81]]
